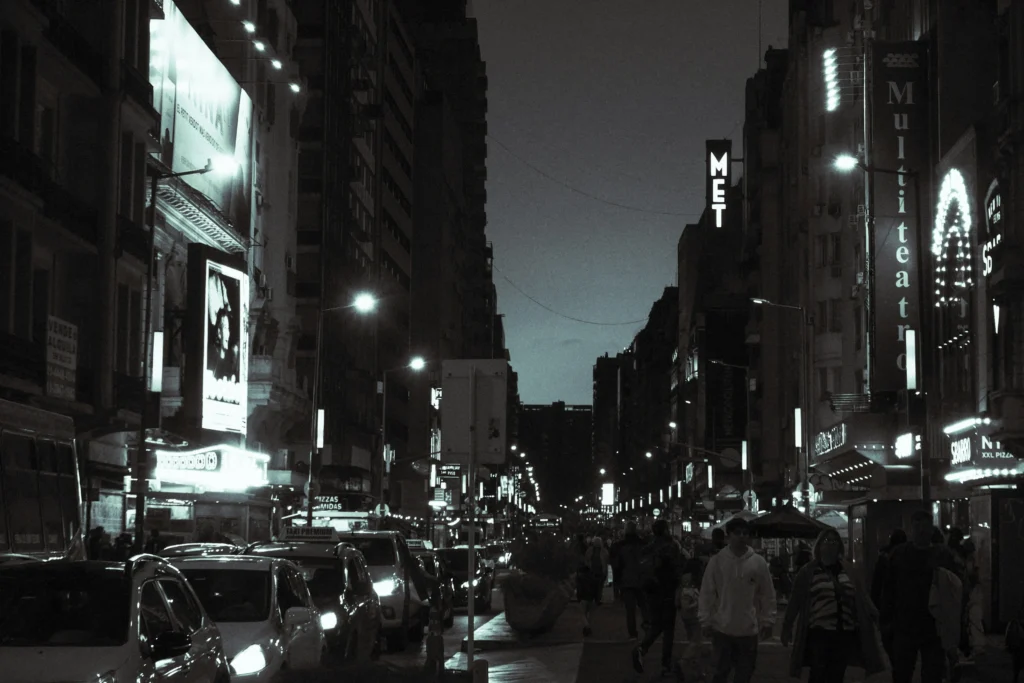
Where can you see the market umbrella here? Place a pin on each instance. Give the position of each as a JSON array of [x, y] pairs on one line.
[[786, 522]]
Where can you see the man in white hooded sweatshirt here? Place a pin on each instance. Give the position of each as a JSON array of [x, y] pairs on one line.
[[736, 604]]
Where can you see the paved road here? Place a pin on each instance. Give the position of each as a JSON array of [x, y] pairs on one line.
[[416, 654]]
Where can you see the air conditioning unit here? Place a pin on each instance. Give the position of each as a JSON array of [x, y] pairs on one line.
[[261, 279], [837, 271], [860, 278]]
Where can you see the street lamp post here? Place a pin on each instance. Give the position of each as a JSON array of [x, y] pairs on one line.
[[364, 303], [847, 163], [226, 166], [806, 406], [416, 364]]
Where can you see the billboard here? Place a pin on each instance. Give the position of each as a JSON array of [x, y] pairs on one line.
[[900, 152], [474, 401], [217, 381], [61, 358], [719, 178], [204, 114]]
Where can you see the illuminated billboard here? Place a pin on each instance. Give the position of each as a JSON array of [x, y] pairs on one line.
[[220, 468], [607, 493], [204, 114], [719, 178], [225, 376]]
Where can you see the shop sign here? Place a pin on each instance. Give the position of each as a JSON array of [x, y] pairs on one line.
[[900, 125], [829, 440], [220, 468], [329, 504], [61, 358], [450, 470], [719, 177], [994, 228], [960, 450], [979, 451]]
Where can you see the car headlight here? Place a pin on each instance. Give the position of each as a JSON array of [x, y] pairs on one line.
[[476, 582], [385, 587], [249, 661], [328, 620], [109, 677]]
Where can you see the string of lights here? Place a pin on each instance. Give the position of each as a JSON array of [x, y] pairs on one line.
[[559, 313]]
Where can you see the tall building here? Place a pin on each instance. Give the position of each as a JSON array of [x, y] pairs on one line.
[[606, 415], [555, 440]]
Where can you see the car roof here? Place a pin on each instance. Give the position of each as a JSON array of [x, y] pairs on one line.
[[65, 567], [368, 534], [232, 562], [307, 549]]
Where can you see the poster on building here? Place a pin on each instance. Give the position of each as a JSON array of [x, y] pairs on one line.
[[205, 115], [225, 377], [61, 358], [900, 159], [719, 178]]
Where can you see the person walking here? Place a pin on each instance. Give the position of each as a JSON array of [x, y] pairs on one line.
[[736, 604], [896, 538], [834, 617], [905, 614], [591, 584], [661, 568], [627, 554]]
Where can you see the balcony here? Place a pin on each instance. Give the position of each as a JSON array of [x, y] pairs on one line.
[[23, 359], [132, 238], [72, 44], [138, 87], [34, 174]]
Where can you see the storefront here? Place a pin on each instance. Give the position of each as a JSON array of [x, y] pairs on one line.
[[990, 511], [209, 494]]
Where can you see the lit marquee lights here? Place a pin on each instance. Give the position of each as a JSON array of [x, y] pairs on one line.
[[952, 229], [831, 68]]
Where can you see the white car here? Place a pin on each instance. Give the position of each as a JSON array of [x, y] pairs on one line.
[[105, 622], [264, 612]]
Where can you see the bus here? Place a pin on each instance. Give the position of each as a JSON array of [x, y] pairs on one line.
[[40, 488]]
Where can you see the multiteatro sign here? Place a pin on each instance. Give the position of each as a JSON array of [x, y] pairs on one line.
[[218, 468]]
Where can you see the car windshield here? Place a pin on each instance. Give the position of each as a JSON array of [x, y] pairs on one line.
[[232, 595], [378, 552], [324, 580], [70, 607]]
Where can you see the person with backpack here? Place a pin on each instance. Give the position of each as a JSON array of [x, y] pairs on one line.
[[591, 578], [661, 569]]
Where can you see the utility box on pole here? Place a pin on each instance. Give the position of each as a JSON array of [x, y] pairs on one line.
[[483, 404]]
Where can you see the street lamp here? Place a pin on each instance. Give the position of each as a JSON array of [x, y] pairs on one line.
[[672, 425], [846, 163], [225, 166], [803, 436], [602, 471], [649, 455], [364, 303], [415, 364]]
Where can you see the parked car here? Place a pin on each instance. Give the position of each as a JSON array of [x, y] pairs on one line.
[[264, 611], [106, 622], [405, 608], [436, 567], [341, 587], [481, 585]]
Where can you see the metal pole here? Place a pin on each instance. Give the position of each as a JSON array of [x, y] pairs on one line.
[[141, 464], [383, 433], [471, 516], [316, 396], [869, 205], [924, 336], [808, 420]]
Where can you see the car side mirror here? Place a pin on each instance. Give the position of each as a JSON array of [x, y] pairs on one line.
[[297, 616], [171, 644]]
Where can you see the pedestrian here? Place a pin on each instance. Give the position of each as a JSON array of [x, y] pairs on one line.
[[896, 538], [627, 554], [717, 539], [661, 569], [905, 615], [736, 604], [579, 551], [590, 585], [92, 544], [155, 544], [833, 615]]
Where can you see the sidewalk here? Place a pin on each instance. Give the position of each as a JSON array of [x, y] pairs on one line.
[[563, 655]]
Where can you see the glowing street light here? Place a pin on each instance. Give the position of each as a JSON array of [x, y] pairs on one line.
[[649, 454], [417, 363], [514, 448], [846, 162], [672, 425], [602, 471], [365, 302]]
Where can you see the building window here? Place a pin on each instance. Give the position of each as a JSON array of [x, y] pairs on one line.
[[827, 248], [835, 320]]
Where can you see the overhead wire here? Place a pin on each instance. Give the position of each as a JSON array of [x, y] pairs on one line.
[[584, 193], [549, 309]]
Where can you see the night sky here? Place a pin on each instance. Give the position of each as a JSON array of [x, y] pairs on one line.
[[612, 99]]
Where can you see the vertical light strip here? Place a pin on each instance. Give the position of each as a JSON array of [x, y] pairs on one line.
[[911, 337], [798, 428], [320, 428], [156, 375], [743, 456]]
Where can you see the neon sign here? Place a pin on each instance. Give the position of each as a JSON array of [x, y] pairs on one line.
[[219, 468], [719, 161]]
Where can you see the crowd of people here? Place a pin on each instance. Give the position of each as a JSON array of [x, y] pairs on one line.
[[100, 545], [918, 604]]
